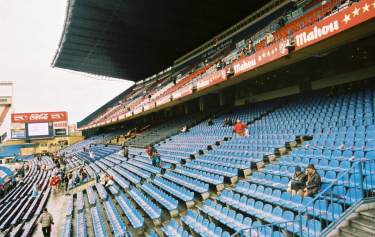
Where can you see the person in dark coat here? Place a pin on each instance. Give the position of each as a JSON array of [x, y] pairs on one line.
[[313, 182], [298, 182]]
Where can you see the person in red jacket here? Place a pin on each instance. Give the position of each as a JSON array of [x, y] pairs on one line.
[[240, 128]]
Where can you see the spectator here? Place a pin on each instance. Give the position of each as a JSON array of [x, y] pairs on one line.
[[298, 182], [46, 220], [126, 152], [184, 129], [210, 122], [102, 178], [240, 128], [156, 159], [77, 180], [66, 181], [109, 182], [150, 151], [92, 155], [269, 38], [313, 182], [35, 192]]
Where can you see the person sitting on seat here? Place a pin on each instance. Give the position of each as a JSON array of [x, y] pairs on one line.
[[313, 182], [298, 182], [156, 159], [184, 129], [210, 122], [110, 182], [150, 151], [240, 128]]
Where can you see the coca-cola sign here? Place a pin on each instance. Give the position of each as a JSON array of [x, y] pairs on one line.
[[39, 117]]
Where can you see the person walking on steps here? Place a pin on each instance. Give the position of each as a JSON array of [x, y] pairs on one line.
[[46, 220]]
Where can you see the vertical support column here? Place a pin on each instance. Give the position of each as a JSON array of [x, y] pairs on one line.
[[201, 104]]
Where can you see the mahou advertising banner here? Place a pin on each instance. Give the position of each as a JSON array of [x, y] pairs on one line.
[[347, 18], [39, 117]]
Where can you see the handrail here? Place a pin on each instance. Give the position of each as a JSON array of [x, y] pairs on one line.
[[356, 168]]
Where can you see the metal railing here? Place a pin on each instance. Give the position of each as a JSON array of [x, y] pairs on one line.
[[319, 213]]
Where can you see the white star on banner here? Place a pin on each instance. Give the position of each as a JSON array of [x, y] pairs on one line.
[[373, 4], [272, 51], [259, 58], [268, 53], [264, 55], [346, 19], [356, 11], [365, 8]]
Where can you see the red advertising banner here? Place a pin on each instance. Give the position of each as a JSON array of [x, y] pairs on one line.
[[163, 100], [261, 57], [60, 125], [39, 117], [356, 14], [212, 79]]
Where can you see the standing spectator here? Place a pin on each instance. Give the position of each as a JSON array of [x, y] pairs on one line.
[[66, 181], [46, 220], [210, 122], [313, 181], [35, 190], [240, 128], [126, 152], [54, 182]]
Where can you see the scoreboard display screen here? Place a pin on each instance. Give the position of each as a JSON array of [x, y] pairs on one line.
[[38, 130]]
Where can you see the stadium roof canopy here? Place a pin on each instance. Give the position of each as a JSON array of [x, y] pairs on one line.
[[134, 39]]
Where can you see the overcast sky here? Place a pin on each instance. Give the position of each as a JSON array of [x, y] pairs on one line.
[[30, 33]]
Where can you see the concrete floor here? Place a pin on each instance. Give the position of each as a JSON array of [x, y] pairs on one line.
[[57, 207]]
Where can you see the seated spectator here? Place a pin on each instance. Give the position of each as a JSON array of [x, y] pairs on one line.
[[298, 182], [102, 178], [150, 151], [156, 159], [77, 180], [210, 122], [240, 128], [109, 182], [35, 190], [313, 182], [269, 38], [184, 129]]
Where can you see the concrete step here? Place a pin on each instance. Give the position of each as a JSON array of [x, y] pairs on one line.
[[354, 232], [364, 225], [369, 215]]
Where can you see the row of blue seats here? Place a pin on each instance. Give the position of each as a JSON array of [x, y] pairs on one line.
[[81, 225], [175, 190], [137, 171], [192, 184], [228, 162], [201, 226], [200, 175], [270, 215], [174, 230], [134, 217], [212, 168], [276, 197], [152, 210], [161, 197], [98, 222], [227, 217], [117, 225]]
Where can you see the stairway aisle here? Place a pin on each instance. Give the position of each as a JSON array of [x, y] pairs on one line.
[[361, 226]]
